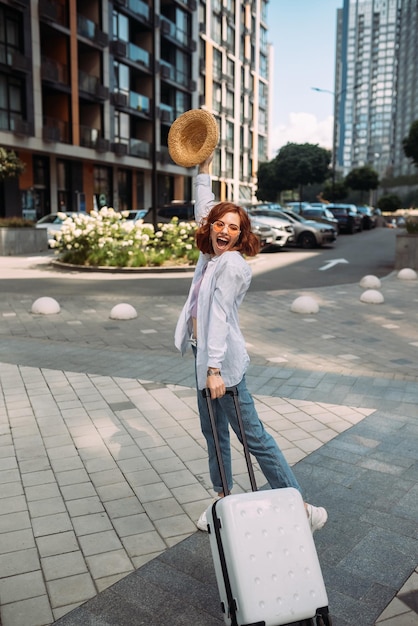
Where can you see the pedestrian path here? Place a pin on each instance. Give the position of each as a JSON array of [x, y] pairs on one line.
[[104, 471]]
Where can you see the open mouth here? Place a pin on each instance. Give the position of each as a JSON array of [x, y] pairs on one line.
[[222, 243]]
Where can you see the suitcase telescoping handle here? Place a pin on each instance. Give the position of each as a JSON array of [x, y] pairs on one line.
[[232, 391]]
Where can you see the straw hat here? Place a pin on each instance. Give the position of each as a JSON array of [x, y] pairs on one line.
[[192, 137]]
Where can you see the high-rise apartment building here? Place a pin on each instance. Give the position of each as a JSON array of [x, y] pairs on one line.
[[234, 86], [376, 86], [90, 88]]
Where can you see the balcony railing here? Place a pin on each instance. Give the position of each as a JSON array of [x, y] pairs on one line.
[[139, 102], [89, 29], [54, 71], [55, 130], [92, 85], [170, 72], [138, 55], [169, 29], [140, 148], [88, 136], [53, 11], [167, 113], [139, 7]]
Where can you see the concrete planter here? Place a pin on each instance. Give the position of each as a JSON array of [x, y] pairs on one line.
[[406, 251], [14, 241]]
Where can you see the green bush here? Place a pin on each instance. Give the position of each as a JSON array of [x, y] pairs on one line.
[[15, 222], [411, 224], [106, 238], [389, 203]]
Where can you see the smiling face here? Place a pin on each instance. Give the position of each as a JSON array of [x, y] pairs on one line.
[[225, 232]]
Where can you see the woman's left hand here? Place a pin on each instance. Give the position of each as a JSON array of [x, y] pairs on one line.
[[216, 386]]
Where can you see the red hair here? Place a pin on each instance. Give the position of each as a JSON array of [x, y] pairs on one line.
[[248, 243]]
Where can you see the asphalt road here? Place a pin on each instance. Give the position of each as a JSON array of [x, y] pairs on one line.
[[346, 261]]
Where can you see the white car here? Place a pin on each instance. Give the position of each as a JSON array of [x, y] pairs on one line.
[[282, 229], [53, 222]]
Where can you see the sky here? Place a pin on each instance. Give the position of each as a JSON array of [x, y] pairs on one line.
[[303, 34]]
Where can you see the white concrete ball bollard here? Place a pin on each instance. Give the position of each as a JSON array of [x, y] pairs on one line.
[[123, 311], [407, 273], [45, 306], [370, 282], [305, 305], [372, 296]]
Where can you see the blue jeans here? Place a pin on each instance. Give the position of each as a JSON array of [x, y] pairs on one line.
[[260, 443]]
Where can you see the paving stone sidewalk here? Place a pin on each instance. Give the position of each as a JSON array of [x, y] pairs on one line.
[[104, 471]]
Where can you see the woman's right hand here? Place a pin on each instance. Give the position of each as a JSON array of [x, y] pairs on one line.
[[204, 167], [216, 386]]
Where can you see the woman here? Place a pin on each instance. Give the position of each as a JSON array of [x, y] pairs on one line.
[[209, 321]]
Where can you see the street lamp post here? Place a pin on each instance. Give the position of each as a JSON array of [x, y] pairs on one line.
[[334, 138], [337, 95]]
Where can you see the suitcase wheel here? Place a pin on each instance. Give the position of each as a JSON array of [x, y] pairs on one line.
[[323, 618]]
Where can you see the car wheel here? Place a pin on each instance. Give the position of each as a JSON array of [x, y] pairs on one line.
[[307, 240], [352, 228]]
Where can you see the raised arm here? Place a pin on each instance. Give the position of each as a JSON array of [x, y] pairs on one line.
[[205, 198]]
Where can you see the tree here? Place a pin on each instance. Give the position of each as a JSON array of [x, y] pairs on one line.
[[334, 192], [410, 143], [389, 203], [10, 164], [267, 189], [362, 179], [295, 166]]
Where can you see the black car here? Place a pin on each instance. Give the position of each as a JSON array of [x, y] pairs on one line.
[[349, 219], [183, 210], [369, 219]]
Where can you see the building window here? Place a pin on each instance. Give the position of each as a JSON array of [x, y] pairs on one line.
[[124, 190], [122, 122], [10, 35], [11, 102], [102, 189], [120, 27]]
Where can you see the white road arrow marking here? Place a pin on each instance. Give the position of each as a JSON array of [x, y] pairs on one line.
[[331, 263]]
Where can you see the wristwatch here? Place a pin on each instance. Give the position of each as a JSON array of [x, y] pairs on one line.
[[213, 372]]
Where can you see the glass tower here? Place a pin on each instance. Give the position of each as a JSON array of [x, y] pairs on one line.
[[366, 88]]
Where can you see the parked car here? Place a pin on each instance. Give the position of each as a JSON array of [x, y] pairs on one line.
[[283, 230], [369, 219], [349, 219], [308, 233], [135, 215], [264, 233], [53, 221], [297, 207], [183, 210], [321, 214]]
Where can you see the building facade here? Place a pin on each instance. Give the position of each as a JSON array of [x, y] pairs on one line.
[[90, 88], [376, 84], [234, 86]]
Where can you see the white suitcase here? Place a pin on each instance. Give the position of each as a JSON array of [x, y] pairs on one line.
[[265, 560]]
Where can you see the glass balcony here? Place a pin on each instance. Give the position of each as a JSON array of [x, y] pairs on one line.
[[88, 136], [167, 113], [139, 7], [54, 71], [88, 83], [170, 72], [55, 130], [140, 148], [139, 102], [138, 55], [86, 28]]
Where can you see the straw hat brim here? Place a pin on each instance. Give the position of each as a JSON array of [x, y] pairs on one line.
[[192, 137]]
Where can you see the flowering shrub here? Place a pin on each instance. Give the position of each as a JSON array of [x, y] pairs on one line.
[[10, 164], [107, 238]]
